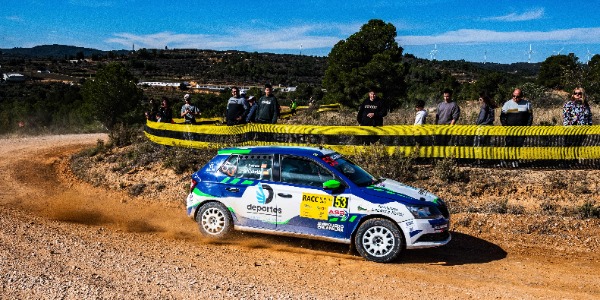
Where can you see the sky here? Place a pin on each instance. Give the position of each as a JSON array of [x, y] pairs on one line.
[[477, 31]]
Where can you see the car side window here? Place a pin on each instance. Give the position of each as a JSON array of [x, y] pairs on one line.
[[229, 167], [250, 167], [302, 171]]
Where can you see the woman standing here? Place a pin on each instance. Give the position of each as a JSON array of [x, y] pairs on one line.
[[486, 117], [486, 113], [577, 110]]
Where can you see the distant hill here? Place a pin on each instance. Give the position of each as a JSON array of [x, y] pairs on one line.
[[230, 66], [55, 51]]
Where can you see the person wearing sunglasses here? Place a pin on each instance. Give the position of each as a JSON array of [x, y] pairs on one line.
[[516, 112], [577, 110]]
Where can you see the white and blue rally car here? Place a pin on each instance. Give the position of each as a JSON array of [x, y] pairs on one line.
[[314, 193]]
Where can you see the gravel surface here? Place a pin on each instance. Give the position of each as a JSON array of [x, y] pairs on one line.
[[65, 239]]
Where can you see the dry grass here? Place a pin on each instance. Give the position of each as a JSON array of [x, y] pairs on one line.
[[542, 115]]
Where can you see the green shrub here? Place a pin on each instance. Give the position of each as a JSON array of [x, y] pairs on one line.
[[122, 135], [588, 210], [447, 170]]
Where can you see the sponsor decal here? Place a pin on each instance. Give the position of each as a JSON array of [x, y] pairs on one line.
[[329, 226], [440, 228], [263, 210], [336, 212], [264, 196], [247, 171], [388, 210], [211, 167], [261, 196], [340, 202], [360, 208], [315, 206], [345, 219]]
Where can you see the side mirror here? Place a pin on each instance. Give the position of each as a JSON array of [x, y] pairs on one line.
[[331, 184]]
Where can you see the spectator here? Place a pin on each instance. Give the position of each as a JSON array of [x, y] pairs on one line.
[[153, 107], [189, 111], [236, 108], [371, 111], [577, 111], [267, 110], [293, 106], [165, 112], [251, 109], [149, 116], [421, 115], [448, 112], [486, 116], [516, 112], [487, 110]]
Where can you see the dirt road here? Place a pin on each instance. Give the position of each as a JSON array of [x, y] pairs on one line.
[[61, 238]]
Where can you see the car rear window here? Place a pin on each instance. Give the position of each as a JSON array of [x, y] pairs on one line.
[[249, 166]]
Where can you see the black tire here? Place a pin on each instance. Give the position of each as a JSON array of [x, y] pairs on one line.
[[214, 220], [379, 240]]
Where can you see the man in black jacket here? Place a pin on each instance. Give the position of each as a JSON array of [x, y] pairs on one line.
[[267, 110], [372, 111]]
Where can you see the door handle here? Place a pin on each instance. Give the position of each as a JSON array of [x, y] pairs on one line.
[[284, 195], [231, 189]]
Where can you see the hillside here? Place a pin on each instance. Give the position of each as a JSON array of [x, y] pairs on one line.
[[211, 66], [55, 51]]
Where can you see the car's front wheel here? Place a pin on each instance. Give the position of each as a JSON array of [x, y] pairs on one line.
[[379, 240], [214, 220]]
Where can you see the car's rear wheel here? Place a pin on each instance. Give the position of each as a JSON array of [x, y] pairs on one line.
[[214, 220], [379, 240]]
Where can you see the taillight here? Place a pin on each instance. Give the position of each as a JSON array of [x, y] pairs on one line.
[[192, 185]]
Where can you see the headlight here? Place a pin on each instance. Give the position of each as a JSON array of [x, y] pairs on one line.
[[424, 212]]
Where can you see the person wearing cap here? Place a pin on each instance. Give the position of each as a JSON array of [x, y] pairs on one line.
[[251, 109], [267, 111], [236, 108], [189, 111]]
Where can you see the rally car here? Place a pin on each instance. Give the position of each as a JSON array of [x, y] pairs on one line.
[[314, 193]]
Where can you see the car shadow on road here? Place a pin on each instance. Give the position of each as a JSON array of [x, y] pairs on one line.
[[463, 249]]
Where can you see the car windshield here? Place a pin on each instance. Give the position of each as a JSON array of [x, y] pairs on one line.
[[355, 173]]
